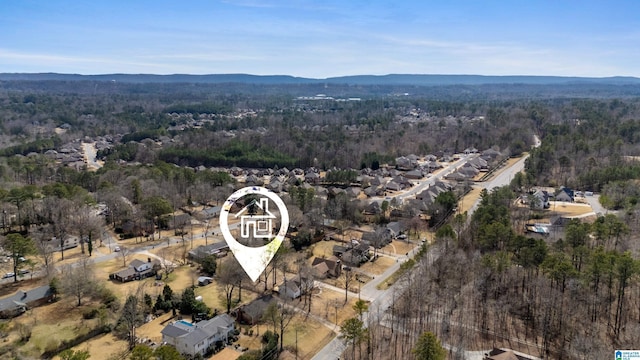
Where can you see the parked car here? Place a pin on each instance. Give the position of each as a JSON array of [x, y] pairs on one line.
[[23, 271], [116, 249]]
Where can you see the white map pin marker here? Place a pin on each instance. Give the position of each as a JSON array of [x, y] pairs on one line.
[[254, 259]]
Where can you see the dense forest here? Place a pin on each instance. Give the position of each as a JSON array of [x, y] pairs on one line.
[[573, 295]]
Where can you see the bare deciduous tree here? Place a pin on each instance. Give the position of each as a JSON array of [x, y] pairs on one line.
[[78, 279]]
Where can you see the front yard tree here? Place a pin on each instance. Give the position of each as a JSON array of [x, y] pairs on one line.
[[56, 211], [131, 318], [167, 352], [209, 264], [44, 249], [189, 304], [428, 348], [124, 254], [18, 246], [78, 279], [141, 352], [86, 224], [156, 206], [280, 315], [353, 331], [229, 275], [347, 279]]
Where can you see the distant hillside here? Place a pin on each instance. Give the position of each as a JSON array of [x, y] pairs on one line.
[[392, 79]]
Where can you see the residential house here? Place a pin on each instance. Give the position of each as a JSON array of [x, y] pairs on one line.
[[479, 163], [296, 287], [468, 170], [414, 174], [137, 228], [137, 270], [404, 163], [372, 191], [393, 186], [457, 176], [372, 209], [312, 178], [376, 239], [432, 165], [508, 354], [21, 301], [210, 212], [396, 228], [324, 268], [197, 338], [539, 200], [338, 250], [565, 194], [253, 180], [470, 150], [490, 154], [218, 249], [252, 312], [356, 255], [430, 157], [275, 185], [204, 280], [428, 195]]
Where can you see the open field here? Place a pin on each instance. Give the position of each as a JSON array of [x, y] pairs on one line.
[[467, 202], [311, 336], [50, 325], [226, 354], [398, 247], [103, 347], [570, 209], [378, 266], [324, 249]]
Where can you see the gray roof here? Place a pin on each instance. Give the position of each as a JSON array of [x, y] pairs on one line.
[[124, 273], [196, 333], [24, 297], [212, 211], [173, 331], [210, 249], [136, 263]]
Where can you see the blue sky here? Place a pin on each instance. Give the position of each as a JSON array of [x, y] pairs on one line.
[[322, 38]]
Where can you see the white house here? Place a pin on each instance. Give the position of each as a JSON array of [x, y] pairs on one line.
[[262, 224], [296, 287], [191, 339]]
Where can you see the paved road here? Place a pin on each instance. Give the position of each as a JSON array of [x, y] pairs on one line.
[[384, 298], [594, 201]]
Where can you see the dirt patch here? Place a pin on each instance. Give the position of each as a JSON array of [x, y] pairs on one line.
[[377, 266], [570, 209], [324, 249], [151, 330], [398, 247], [311, 336], [467, 202], [103, 347], [330, 305], [226, 354]]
